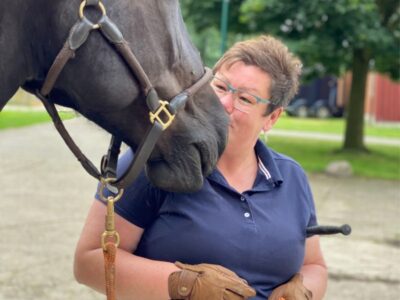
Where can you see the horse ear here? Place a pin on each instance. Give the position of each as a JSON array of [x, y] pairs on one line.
[[271, 119]]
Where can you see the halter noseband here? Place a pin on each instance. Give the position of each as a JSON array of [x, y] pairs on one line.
[[161, 113]]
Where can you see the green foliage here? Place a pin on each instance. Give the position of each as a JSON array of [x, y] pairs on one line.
[[206, 13], [14, 119], [328, 31], [334, 126], [324, 33], [203, 19]]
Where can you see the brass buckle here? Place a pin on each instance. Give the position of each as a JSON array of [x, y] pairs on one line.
[[156, 115], [110, 234]]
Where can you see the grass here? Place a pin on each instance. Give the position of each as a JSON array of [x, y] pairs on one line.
[[335, 125], [13, 119], [381, 162]]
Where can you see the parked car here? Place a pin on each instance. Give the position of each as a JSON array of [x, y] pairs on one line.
[[316, 99]]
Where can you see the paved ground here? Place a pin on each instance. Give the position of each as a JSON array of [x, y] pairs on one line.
[[45, 197]]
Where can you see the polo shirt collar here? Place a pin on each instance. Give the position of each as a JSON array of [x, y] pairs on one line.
[[266, 164], [268, 175]]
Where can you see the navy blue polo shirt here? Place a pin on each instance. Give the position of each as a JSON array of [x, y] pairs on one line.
[[259, 234]]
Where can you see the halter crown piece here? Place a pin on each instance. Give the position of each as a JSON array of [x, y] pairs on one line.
[[161, 116]]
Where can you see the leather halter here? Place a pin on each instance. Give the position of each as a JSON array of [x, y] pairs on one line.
[[159, 109]]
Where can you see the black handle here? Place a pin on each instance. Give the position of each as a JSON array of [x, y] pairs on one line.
[[324, 230]]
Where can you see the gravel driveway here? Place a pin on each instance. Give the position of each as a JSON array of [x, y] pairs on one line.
[[46, 195]]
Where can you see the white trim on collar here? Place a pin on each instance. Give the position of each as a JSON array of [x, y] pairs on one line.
[[264, 170]]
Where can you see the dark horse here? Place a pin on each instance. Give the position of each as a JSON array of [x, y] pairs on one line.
[[98, 84]]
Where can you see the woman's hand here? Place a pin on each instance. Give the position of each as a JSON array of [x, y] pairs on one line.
[[207, 281], [292, 290]]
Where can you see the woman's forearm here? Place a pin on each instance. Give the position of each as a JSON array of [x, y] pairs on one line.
[[136, 277], [315, 278]]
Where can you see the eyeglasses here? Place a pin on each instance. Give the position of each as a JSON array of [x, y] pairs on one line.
[[243, 101]]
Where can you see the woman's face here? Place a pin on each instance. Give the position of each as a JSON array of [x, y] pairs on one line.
[[245, 124]]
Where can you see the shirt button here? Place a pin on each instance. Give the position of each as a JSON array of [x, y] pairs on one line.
[[242, 198], [247, 215]]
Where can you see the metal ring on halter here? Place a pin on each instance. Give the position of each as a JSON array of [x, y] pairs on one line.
[[103, 184], [81, 14]]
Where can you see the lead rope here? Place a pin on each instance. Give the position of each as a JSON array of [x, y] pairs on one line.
[[110, 238], [109, 268]]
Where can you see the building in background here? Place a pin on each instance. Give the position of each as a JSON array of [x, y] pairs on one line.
[[382, 99], [328, 96]]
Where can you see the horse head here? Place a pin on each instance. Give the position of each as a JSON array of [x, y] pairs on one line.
[[99, 85]]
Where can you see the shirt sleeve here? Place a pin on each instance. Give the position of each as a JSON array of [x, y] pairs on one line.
[[312, 221], [140, 201]]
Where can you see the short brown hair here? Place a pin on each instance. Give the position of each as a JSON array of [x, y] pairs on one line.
[[274, 58]]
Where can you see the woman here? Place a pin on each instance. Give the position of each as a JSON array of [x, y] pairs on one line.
[[248, 220]]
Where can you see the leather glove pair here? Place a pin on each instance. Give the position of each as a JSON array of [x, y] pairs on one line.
[[292, 290], [207, 282]]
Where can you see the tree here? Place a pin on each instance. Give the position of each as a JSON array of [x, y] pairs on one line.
[[331, 37], [335, 36], [203, 19]]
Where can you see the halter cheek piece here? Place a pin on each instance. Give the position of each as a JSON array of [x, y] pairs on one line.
[[161, 112]]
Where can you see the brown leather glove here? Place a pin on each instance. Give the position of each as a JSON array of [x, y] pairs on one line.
[[292, 290], [207, 282]]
